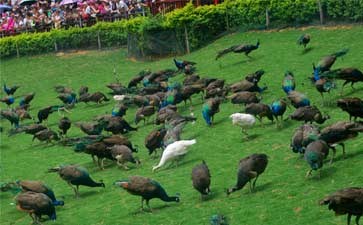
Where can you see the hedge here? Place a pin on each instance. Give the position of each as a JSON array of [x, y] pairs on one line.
[[202, 24]]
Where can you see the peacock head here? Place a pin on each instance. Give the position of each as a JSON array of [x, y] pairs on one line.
[[102, 184], [177, 197]]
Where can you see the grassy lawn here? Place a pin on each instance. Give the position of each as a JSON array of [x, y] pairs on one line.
[[283, 195]]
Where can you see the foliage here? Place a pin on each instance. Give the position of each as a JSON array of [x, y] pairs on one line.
[[345, 9], [203, 24], [283, 195]]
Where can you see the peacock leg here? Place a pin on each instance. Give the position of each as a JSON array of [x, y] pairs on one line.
[[254, 183], [357, 219], [308, 173], [99, 162], [74, 189], [102, 166], [250, 186], [93, 159], [142, 203], [348, 218], [334, 152], [31, 215], [345, 83], [147, 204], [343, 146]]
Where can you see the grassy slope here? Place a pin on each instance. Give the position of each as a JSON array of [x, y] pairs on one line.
[[283, 194]]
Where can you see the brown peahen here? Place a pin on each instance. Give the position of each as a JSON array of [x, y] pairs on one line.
[[249, 168], [76, 175], [353, 106], [346, 201], [309, 114], [122, 154], [36, 204], [146, 188], [243, 48], [304, 40], [201, 179]]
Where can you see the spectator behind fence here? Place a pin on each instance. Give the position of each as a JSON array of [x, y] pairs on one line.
[[45, 14]]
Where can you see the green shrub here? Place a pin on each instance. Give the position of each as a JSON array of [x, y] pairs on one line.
[[202, 23]]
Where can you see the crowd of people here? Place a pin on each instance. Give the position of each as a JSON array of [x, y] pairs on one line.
[[45, 15]]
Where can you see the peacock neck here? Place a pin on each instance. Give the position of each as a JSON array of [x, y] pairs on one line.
[[167, 198]]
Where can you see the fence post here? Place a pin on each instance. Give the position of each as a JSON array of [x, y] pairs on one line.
[[186, 39], [99, 40], [321, 12], [55, 46], [17, 50], [267, 18]]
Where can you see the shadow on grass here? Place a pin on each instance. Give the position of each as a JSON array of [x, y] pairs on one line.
[[326, 172], [238, 63], [307, 50], [262, 187], [352, 91], [347, 156], [152, 209]]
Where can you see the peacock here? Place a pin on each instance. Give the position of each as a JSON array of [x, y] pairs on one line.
[[64, 125], [218, 219], [243, 48], [46, 135], [309, 114], [278, 108], [10, 90], [339, 132], [92, 128], [76, 175], [201, 179], [8, 100], [39, 187], [68, 98], [11, 116], [119, 110], [288, 83], [315, 153], [97, 97], [29, 129], [146, 188], [349, 75], [259, 110], [353, 106], [181, 64], [26, 99], [144, 113], [326, 63], [244, 97], [123, 154], [138, 78], [82, 90], [255, 77], [298, 99], [249, 168], [304, 40], [210, 108], [45, 112], [346, 201], [154, 140], [36, 204], [304, 135]]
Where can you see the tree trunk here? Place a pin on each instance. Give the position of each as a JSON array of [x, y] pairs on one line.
[[321, 12], [186, 39], [267, 19]]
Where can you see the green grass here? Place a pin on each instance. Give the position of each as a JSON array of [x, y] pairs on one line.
[[283, 194]]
